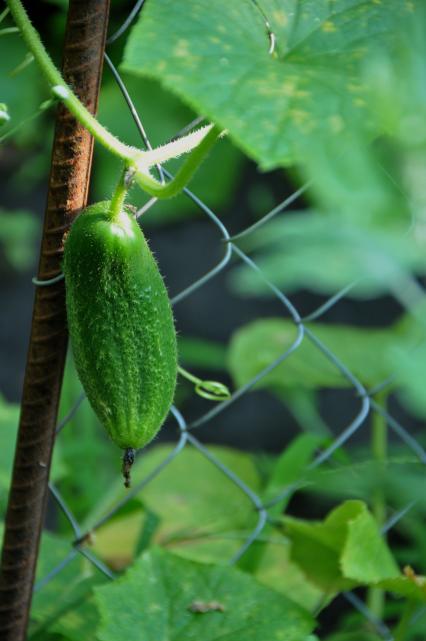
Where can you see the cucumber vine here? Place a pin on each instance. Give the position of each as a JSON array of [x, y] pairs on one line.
[[139, 162]]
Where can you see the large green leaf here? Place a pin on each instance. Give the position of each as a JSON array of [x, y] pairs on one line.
[[255, 346], [64, 605], [155, 599], [193, 509], [82, 441], [215, 56], [346, 550], [335, 553], [326, 252], [269, 562]]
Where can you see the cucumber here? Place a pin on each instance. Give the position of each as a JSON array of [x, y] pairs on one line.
[[121, 326]]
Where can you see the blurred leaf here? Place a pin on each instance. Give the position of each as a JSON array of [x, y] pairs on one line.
[[396, 81], [89, 455], [290, 467], [311, 86], [276, 570], [326, 252], [17, 231], [199, 352], [4, 114], [411, 368], [255, 346], [358, 635], [193, 509], [303, 404], [400, 478], [237, 601], [163, 115], [344, 550], [24, 92], [63, 605]]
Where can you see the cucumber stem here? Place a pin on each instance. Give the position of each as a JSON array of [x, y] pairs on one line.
[[128, 460], [118, 197], [198, 142]]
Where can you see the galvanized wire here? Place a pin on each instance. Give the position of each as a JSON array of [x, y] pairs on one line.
[[260, 508]]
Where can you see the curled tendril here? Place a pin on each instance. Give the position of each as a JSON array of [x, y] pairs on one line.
[[211, 390]]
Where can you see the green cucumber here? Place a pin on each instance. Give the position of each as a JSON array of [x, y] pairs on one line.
[[121, 326]]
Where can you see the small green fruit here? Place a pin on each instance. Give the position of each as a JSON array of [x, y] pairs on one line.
[[121, 325]]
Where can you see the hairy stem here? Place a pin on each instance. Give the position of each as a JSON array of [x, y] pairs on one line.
[[118, 197], [199, 142]]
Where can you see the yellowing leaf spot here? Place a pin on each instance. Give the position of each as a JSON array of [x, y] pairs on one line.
[[302, 93], [299, 116], [289, 88], [280, 18], [353, 88], [328, 26], [410, 6], [359, 102], [377, 1], [181, 49], [336, 123]]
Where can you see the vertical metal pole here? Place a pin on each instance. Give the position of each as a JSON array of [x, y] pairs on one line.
[[67, 194]]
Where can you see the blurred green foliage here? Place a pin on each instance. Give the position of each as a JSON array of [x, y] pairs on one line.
[[18, 232], [344, 95]]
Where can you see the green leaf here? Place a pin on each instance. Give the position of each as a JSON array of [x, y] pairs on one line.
[[325, 252], [65, 604], [303, 404], [83, 440], [365, 557], [400, 479], [256, 345], [410, 587], [17, 232], [290, 466], [199, 352], [271, 105], [23, 93], [155, 599], [411, 368], [358, 635], [193, 510], [346, 550], [275, 569], [4, 114]]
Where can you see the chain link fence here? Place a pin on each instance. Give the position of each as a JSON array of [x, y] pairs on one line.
[[187, 430]]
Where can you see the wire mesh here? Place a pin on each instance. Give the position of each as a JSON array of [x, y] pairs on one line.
[[367, 404]]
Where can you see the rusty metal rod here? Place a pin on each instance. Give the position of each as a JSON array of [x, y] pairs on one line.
[[67, 195]]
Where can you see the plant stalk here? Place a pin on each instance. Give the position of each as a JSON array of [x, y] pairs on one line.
[[376, 596], [199, 142]]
